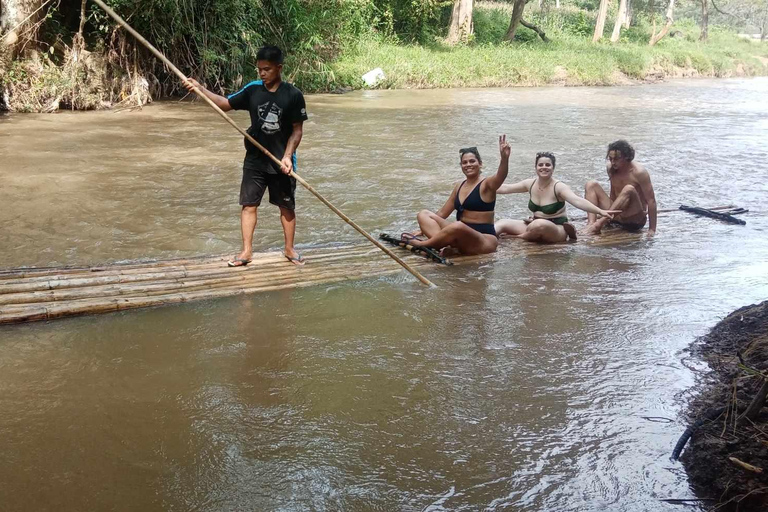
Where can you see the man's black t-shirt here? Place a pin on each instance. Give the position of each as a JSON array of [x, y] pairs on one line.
[[272, 118]]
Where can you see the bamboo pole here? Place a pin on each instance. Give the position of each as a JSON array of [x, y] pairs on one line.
[[253, 141], [671, 210]]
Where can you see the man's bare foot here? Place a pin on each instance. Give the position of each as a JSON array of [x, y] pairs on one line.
[[294, 257], [241, 259], [595, 227]]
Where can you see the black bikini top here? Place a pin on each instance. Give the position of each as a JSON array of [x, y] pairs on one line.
[[473, 202]]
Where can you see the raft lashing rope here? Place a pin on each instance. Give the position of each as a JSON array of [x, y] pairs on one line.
[[725, 216], [426, 252]]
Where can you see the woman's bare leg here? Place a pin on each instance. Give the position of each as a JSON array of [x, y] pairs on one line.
[[431, 223], [544, 232], [510, 227], [462, 238]]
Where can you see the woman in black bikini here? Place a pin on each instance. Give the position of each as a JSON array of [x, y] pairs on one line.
[[474, 200], [547, 198]]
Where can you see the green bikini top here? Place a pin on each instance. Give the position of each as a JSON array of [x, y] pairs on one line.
[[547, 209]]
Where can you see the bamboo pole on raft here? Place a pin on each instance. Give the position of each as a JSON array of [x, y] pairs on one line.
[[298, 178], [671, 210]]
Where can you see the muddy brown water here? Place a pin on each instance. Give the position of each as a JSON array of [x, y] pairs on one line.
[[548, 382]]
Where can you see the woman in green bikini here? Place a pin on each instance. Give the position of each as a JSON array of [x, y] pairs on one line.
[[549, 223]]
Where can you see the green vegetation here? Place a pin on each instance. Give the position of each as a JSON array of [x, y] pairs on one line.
[[332, 43], [569, 59]]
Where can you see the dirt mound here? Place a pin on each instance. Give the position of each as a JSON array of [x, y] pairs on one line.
[[736, 350]]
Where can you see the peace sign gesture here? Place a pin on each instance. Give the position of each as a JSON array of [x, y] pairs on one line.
[[504, 148]]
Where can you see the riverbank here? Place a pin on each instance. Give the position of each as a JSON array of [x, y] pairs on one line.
[[727, 458], [114, 75], [570, 62], [569, 58]]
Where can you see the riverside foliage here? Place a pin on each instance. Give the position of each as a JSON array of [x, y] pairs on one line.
[[331, 43]]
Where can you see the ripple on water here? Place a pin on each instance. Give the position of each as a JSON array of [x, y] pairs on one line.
[[552, 381]]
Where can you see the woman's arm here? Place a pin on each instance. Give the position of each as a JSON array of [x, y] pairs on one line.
[[565, 192], [447, 209], [516, 188], [495, 181]]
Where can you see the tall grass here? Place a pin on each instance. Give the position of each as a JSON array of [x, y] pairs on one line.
[[570, 58]]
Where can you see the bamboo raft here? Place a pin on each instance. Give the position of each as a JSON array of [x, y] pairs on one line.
[[30, 294], [33, 294]]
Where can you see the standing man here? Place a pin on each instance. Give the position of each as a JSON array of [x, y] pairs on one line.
[[631, 192], [278, 112]]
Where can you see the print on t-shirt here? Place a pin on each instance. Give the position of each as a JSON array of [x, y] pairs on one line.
[[269, 115]]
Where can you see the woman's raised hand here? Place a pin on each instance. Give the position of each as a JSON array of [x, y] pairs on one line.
[[504, 148]]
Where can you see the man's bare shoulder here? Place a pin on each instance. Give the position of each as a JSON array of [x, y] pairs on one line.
[[640, 172]]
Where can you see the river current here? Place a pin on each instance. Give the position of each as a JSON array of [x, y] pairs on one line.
[[554, 381]]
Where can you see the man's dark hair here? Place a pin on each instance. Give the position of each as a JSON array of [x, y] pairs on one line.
[[271, 53], [545, 154], [473, 150], [623, 147]]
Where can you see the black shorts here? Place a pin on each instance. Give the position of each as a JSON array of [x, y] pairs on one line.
[[628, 226], [282, 189]]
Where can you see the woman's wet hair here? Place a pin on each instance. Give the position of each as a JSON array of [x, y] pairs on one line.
[[623, 147], [545, 154], [473, 150]]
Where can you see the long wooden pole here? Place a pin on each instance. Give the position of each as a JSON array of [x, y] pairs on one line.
[[672, 210], [253, 141]]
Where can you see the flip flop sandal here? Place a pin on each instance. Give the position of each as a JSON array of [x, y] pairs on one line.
[[406, 237], [298, 260], [238, 262]]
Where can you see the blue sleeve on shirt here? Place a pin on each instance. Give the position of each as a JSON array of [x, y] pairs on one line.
[[239, 100]]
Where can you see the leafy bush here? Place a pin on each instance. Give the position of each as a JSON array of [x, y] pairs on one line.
[[581, 24], [490, 24]]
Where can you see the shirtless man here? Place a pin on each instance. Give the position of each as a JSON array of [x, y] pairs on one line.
[[631, 192]]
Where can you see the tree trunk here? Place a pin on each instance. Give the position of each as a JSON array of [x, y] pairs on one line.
[[600, 25], [557, 4], [517, 14], [620, 20], [704, 21], [461, 22], [18, 19], [655, 38], [764, 25], [628, 15]]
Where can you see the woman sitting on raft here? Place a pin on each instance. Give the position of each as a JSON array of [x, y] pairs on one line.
[[547, 198], [474, 200]]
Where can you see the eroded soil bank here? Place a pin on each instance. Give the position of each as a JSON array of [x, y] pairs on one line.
[[713, 454]]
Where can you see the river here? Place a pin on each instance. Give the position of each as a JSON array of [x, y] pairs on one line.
[[553, 381]]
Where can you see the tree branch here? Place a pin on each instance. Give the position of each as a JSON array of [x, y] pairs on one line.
[[535, 29]]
